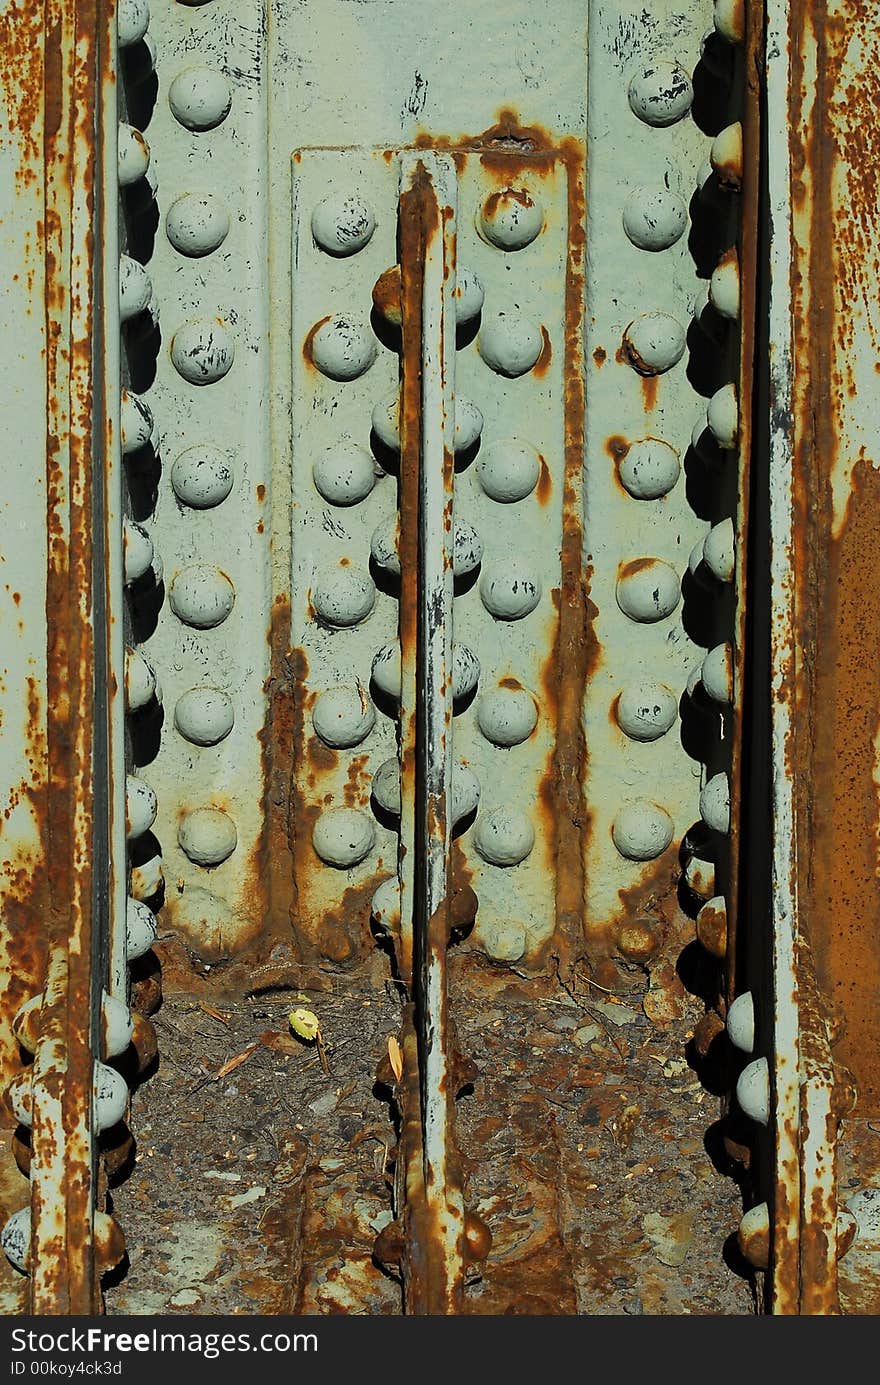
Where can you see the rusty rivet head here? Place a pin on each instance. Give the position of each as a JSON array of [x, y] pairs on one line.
[[509, 343], [341, 348], [712, 925], [699, 874], [649, 469], [132, 21], [647, 590], [654, 218], [504, 837], [847, 1230], [26, 1024], [204, 716], [202, 476], [144, 1041], [207, 836], [477, 1238], [141, 807], [724, 286], [753, 1091], [20, 1097], [730, 20], [716, 674], [147, 878], [510, 219], [726, 157], [203, 351], [508, 470], [642, 830], [133, 155], [385, 907], [197, 224], [753, 1236], [343, 837], [722, 417], [343, 224], [200, 98], [646, 710], [638, 941], [343, 715], [202, 597], [109, 1242], [719, 551], [387, 296], [660, 93], [654, 343], [15, 1239], [706, 1032], [345, 473], [741, 1023]]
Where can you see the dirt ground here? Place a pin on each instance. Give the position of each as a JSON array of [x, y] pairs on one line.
[[259, 1185]]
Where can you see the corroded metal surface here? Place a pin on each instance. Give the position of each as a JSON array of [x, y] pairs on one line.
[[463, 627]]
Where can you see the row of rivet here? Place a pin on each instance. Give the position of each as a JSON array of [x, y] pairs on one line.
[[648, 589], [753, 1088], [202, 476], [343, 595]]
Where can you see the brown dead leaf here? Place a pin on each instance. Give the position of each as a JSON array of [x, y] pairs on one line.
[[281, 1043], [214, 1013], [232, 1063]]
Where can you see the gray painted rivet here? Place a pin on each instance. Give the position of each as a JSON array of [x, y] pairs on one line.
[[201, 596], [202, 476], [200, 98], [203, 350], [197, 224], [343, 224], [207, 836], [660, 93]]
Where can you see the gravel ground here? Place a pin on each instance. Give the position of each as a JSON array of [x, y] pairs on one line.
[[259, 1185]]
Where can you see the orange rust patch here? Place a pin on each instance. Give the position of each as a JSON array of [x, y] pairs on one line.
[[650, 385], [308, 344], [600, 356], [542, 365]]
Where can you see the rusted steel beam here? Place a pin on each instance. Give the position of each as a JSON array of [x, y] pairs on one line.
[[434, 1215], [822, 174]]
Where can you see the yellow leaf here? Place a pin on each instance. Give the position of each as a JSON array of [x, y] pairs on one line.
[[305, 1023]]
